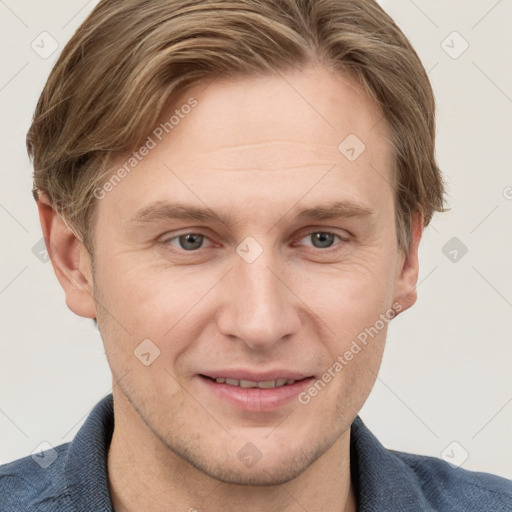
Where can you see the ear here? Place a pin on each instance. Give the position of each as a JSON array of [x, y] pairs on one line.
[[408, 267], [70, 259]]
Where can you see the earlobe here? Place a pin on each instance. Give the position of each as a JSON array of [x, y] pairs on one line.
[[408, 267], [71, 261]]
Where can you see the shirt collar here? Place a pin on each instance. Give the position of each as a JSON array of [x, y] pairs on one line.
[[382, 480], [86, 467]]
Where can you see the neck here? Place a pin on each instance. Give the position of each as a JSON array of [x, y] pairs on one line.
[[144, 474]]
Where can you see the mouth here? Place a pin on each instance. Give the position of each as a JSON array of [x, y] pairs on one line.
[[248, 384], [256, 394]]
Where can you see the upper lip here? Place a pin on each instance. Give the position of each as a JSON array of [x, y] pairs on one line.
[[240, 374]]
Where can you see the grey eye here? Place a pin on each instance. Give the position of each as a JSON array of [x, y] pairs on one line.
[[321, 239], [189, 241]]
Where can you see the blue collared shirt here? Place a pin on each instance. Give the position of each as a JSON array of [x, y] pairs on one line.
[[73, 478]]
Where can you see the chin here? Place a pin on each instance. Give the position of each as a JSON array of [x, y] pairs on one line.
[[261, 478], [270, 474], [281, 469]]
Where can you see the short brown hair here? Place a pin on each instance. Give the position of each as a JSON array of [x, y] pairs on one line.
[[129, 58]]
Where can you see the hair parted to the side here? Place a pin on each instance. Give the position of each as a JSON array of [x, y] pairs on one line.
[[130, 58]]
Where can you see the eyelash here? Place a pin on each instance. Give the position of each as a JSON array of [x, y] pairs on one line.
[[167, 241]]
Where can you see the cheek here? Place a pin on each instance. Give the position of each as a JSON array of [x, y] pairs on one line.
[[164, 305], [355, 305], [134, 291], [350, 296]]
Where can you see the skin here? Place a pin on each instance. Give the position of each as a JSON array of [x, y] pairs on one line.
[[259, 150]]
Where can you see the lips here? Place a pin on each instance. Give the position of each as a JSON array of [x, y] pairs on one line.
[[255, 376], [255, 392], [263, 384]]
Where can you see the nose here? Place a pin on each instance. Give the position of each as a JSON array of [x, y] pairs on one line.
[[261, 308]]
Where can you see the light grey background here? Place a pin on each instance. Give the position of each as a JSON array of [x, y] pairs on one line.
[[446, 375]]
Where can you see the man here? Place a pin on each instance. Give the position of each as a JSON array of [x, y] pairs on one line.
[[236, 192]]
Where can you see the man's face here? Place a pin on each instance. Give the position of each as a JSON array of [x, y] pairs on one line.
[[261, 295]]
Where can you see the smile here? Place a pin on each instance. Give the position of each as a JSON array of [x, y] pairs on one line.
[[266, 394], [266, 384]]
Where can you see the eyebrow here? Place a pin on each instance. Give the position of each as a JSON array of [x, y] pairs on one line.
[[164, 210]]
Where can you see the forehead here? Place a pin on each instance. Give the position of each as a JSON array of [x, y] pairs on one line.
[[313, 109], [251, 140]]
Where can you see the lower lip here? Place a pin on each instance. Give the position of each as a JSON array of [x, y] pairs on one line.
[[257, 399]]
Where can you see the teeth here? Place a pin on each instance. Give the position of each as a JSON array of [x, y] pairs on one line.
[[267, 384], [248, 384]]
